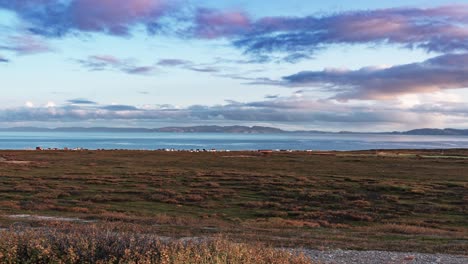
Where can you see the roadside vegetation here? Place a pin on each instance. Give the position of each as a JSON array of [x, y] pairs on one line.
[[102, 244], [374, 200]]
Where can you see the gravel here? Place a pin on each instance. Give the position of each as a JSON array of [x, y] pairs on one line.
[[378, 257]]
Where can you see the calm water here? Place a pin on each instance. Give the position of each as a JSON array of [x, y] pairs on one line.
[[97, 140]]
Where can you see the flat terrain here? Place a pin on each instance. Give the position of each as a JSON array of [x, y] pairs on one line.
[[402, 200]]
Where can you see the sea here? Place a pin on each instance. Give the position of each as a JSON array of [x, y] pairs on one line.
[[224, 141]]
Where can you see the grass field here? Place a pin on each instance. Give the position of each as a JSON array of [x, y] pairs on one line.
[[385, 200]]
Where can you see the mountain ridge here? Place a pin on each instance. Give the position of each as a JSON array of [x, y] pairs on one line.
[[237, 129]]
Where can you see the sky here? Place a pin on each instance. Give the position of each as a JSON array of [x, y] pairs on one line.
[[360, 65]]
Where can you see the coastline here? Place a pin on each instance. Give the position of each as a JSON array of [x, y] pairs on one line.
[[225, 141]]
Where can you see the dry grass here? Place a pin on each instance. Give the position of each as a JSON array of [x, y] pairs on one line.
[[344, 199], [414, 230], [79, 244]]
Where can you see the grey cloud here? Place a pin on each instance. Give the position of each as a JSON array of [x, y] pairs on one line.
[[4, 60], [280, 110], [443, 108], [296, 57], [174, 62], [188, 65], [140, 70], [119, 108], [79, 101], [440, 73], [109, 62]]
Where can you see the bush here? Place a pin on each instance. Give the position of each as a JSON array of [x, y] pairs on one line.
[[80, 244]]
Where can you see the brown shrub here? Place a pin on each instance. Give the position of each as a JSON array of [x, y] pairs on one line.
[[262, 204], [78, 244], [277, 222], [412, 230], [82, 210], [193, 198], [10, 205], [361, 203]]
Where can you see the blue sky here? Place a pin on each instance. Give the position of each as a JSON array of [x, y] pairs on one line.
[[330, 65]]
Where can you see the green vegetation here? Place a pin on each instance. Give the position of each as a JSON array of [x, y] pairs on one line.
[[386, 200]]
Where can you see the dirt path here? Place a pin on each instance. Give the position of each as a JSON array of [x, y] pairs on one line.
[[48, 218], [4, 160], [377, 257]]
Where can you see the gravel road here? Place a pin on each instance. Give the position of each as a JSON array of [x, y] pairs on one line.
[[382, 257]]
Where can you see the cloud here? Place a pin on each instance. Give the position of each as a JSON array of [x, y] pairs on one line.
[[140, 70], [108, 62], [106, 59], [296, 57], [101, 62], [448, 71], [271, 96], [50, 104], [439, 29], [436, 29], [119, 108], [174, 62], [3, 59], [189, 65], [210, 23], [203, 69], [25, 44], [79, 101], [444, 108], [281, 110], [115, 17]]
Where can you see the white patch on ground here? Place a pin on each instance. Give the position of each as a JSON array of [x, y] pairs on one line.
[[49, 218], [4, 160], [240, 156], [372, 257]]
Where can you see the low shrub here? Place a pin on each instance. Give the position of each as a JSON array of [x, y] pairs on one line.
[[80, 244]]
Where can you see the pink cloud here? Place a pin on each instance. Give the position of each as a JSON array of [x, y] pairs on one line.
[[439, 29], [114, 16], [106, 59], [444, 72], [117, 17], [27, 44], [214, 23]]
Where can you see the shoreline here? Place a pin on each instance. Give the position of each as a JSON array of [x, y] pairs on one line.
[[232, 142], [310, 151]]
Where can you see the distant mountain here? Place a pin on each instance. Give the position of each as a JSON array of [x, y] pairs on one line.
[[222, 129], [232, 129], [433, 131], [77, 129], [192, 129], [102, 129]]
